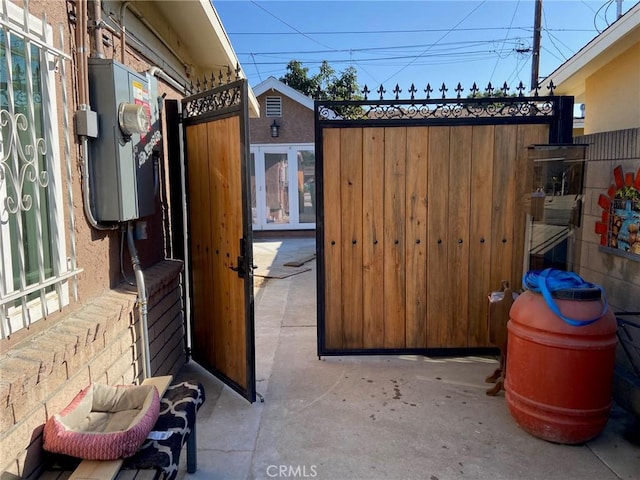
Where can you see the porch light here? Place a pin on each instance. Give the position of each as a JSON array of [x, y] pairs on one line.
[[275, 129]]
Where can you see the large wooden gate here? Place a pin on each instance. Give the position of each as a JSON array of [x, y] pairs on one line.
[[219, 231], [421, 213]]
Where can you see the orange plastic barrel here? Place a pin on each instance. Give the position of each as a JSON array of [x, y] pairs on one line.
[[558, 381]]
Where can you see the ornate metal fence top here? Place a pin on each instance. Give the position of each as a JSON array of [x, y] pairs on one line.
[[490, 103], [214, 94]]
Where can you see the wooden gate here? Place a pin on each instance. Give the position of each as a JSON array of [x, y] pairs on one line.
[[421, 213], [219, 232]]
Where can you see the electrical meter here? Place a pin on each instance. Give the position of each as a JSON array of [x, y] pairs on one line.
[[121, 157]]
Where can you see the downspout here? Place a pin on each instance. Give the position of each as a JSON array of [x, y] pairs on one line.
[[142, 298]]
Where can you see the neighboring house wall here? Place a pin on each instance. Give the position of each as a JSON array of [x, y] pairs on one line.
[[619, 275], [612, 94], [96, 338], [296, 123]]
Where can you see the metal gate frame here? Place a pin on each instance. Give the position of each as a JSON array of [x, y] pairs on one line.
[[553, 110], [209, 104]]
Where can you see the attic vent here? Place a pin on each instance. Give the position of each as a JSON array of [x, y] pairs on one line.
[[274, 106]]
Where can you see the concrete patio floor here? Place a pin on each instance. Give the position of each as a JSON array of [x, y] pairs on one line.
[[373, 417]]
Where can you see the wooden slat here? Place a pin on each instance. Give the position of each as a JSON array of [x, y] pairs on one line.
[[161, 383], [480, 234], [332, 239], [55, 475], [96, 470], [351, 245], [199, 205], [219, 278], [438, 298], [234, 234], [395, 148], [458, 225], [504, 173], [373, 238], [416, 237]]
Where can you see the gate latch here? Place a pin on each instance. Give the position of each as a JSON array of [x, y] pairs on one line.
[[240, 268]]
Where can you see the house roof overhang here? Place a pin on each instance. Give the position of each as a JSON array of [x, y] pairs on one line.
[[203, 35], [569, 78], [272, 83]]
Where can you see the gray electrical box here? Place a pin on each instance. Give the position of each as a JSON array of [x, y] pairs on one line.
[[121, 157]]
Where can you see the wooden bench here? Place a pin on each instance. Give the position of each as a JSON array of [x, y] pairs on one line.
[[126, 469]]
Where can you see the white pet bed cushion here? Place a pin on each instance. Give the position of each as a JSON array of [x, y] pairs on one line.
[[104, 422]]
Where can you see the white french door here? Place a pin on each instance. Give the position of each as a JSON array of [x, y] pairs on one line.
[[283, 187]]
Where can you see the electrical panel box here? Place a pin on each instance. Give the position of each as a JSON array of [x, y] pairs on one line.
[[122, 170]]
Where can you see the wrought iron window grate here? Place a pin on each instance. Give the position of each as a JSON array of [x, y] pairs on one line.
[[38, 263]]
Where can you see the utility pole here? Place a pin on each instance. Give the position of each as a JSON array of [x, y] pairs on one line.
[[535, 57]]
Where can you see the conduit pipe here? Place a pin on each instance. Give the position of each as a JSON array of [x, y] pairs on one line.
[[123, 29], [142, 298], [87, 199], [158, 72], [83, 81], [97, 29], [128, 6], [83, 104]]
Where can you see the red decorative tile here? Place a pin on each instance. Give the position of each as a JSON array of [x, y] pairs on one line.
[[628, 179], [618, 176], [601, 228], [604, 202]]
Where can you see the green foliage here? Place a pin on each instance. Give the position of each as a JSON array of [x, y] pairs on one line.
[[326, 85]]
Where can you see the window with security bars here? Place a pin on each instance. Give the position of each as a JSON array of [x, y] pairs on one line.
[[34, 271], [274, 106]]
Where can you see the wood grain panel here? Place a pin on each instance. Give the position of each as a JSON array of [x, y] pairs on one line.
[[460, 148], [351, 245], [480, 240], [332, 239], [373, 282], [416, 236], [219, 288], [504, 173], [199, 213], [439, 310], [395, 148], [232, 232]]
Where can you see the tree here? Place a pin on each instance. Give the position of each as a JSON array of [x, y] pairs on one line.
[[331, 85], [297, 77]]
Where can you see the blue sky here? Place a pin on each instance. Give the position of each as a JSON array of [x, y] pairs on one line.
[[408, 42]]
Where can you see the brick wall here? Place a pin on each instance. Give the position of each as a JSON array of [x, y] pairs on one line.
[[618, 274], [296, 123], [96, 342]]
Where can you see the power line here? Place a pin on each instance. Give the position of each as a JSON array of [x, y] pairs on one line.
[[290, 26], [505, 40], [421, 30], [514, 40], [447, 33]]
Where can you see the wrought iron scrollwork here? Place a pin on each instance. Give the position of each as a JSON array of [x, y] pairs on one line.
[[19, 163], [215, 93], [490, 102]]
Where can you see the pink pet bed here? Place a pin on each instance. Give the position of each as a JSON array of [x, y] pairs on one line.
[[104, 422]]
